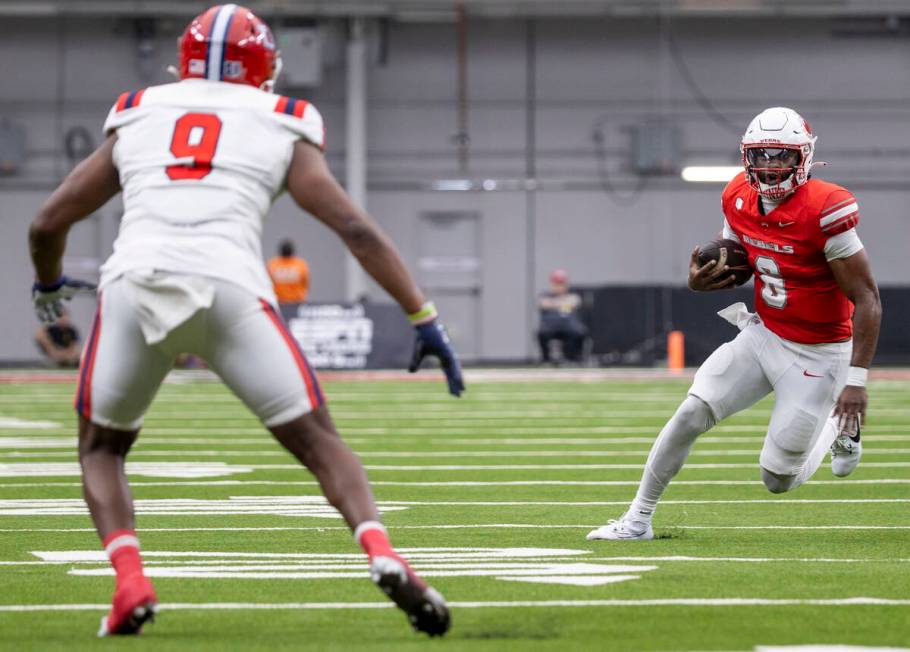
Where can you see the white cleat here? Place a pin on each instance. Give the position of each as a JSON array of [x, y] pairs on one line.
[[845, 454], [624, 528]]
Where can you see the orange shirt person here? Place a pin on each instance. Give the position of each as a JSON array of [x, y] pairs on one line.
[[290, 274]]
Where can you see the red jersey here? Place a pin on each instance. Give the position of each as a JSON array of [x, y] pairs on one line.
[[796, 294]]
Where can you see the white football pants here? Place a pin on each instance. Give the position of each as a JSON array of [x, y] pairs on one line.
[[241, 337]]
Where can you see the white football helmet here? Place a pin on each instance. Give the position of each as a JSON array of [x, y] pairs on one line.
[[777, 151]]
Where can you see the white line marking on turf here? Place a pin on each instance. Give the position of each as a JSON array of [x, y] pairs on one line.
[[27, 424], [468, 483], [552, 566], [148, 469], [38, 442], [475, 526], [440, 467], [310, 506], [318, 507], [667, 602]]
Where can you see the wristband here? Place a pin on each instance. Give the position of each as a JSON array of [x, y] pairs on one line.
[[857, 376], [49, 287], [426, 314]]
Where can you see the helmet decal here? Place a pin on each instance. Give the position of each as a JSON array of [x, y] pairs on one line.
[[229, 43]]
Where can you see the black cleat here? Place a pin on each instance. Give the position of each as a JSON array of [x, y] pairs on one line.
[[425, 607]]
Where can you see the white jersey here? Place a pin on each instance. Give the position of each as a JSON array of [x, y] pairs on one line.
[[200, 164]]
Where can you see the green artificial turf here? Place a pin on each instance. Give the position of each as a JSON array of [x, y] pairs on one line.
[[468, 486]]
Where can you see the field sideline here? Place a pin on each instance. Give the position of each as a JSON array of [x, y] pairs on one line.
[[490, 496]]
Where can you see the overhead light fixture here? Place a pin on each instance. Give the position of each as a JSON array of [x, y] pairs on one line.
[[710, 173], [453, 184]]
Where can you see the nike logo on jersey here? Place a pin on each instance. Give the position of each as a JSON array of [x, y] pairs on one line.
[[772, 246], [806, 373], [783, 224]]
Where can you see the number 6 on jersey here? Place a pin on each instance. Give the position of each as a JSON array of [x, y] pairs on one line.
[[195, 136], [773, 291]]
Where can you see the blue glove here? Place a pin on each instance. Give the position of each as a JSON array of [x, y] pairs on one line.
[[48, 299], [432, 339]]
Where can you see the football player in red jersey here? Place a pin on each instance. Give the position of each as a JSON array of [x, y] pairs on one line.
[[200, 162], [811, 340]]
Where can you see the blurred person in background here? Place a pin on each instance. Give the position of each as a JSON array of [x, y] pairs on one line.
[[60, 342], [290, 275], [559, 319]]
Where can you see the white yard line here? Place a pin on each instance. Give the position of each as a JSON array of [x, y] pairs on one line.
[[486, 467], [475, 526], [681, 602], [526, 433], [356, 561], [469, 483]]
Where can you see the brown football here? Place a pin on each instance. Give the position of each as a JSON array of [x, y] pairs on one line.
[[737, 258]]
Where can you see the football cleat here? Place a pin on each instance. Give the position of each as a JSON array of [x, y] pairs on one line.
[[425, 607], [622, 529], [845, 453], [134, 603]]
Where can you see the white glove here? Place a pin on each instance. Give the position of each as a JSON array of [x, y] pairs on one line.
[[48, 299]]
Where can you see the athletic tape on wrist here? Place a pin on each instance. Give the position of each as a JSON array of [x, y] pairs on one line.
[[857, 376], [427, 313]]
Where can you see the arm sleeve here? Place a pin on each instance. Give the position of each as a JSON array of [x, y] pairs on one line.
[[843, 245]]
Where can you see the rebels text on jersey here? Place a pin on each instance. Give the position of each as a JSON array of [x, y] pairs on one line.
[[796, 294], [200, 164]]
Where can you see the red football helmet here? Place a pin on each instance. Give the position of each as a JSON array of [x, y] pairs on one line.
[[229, 43]]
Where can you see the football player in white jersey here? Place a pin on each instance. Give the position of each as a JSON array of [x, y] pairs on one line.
[[199, 162]]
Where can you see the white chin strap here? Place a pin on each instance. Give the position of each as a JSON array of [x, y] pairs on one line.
[[269, 85]]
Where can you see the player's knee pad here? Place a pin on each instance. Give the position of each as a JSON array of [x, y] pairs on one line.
[[694, 416], [776, 483]]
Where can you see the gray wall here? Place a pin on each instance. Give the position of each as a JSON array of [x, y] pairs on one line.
[[591, 74]]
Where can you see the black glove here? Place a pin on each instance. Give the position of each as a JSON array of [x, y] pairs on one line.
[[432, 339], [48, 299]]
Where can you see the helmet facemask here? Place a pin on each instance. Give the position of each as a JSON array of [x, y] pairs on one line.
[[777, 170]]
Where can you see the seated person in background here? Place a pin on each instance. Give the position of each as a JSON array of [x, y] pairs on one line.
[[290, 274], [559, 319], [60, 342]]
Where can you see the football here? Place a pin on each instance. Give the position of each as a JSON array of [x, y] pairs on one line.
[[737, 258]]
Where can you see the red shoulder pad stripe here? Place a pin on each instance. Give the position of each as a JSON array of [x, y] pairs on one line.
[[290, 106], [841, 204], [121, 101], [129, 100]]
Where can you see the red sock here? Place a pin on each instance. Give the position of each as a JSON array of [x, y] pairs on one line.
[[122, 548], [374, 540]]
